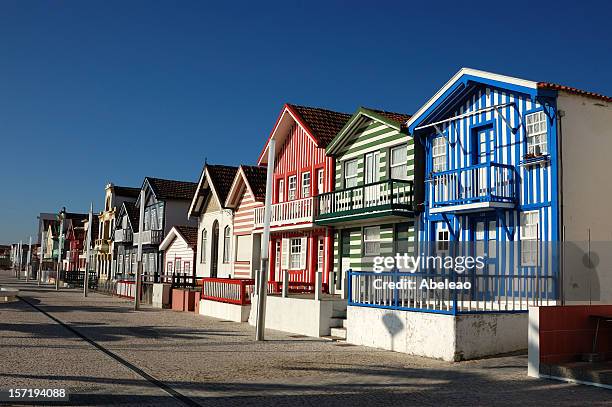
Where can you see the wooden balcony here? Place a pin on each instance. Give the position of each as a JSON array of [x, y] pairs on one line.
[[124, 236], [152, 237], [388, 198], [290, 213], [474, 188]]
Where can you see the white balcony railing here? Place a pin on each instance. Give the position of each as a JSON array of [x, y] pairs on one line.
[[287, 213], [149, 237], [123, 235]]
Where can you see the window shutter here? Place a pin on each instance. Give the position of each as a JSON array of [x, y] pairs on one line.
[[303, 251], [285, 254]]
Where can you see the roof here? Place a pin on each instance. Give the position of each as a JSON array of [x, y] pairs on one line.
[[126, 191], [398, 118], [222, 176], [321, 125], [190, 234], [256, 177], [575, 91], [133, 214], [171, 189], [324, 124]]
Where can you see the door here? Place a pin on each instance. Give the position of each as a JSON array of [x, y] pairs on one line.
[[278, 275], [370, 177], [214, 255], [484, 236], [483, 148]]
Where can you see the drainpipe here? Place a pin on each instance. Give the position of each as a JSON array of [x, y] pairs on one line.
[[560, 115]]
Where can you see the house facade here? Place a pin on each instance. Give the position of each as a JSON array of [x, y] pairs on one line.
[[245, 196], [301, 171], [114, 196], [179, 248], [166, 204], [216, 245], [377, 188], [124, 251]]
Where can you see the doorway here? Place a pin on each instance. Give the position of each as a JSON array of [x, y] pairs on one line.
[[214, 255]]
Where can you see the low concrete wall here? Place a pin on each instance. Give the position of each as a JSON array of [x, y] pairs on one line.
[[439, 336], [161, 295], [222, 310], [297, 315]]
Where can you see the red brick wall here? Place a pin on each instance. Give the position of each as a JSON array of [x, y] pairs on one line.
[[567, 332]]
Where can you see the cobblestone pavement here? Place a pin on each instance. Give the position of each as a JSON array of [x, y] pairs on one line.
[[215, 362]]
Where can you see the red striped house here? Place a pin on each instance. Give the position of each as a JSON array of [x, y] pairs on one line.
[[301, 171], [246, 195]]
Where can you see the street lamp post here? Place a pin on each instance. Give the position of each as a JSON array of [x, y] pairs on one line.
[[29, 263], [88, 251], [61, 216], [20, 259], [42, 256], [139, 253]]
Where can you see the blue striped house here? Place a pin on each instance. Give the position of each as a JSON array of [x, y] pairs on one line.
[[491, 175]]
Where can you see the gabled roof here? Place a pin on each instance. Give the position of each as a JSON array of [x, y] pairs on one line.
[[363, 114], [253, 178], [462, 81], [188, 234], [133, 214], [321, 125], [171, 189], [126, 191], [219, 179]]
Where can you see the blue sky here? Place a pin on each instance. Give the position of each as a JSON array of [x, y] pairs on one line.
[[164, 85]]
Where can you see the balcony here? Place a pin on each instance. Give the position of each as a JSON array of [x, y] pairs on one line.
[[389, 198], [288, 214], [153, 237], [102, 245], [123, 236], [475, 188]]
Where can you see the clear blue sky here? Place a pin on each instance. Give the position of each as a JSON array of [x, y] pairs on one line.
[[165, 84]]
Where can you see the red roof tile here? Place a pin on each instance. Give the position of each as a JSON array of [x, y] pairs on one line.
[[399, 118], [190, 234], [256, 177], [576, 91], [323, 124], [222, 177], [171, 189]]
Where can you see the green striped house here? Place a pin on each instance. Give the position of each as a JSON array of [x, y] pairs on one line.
[[378, 186]]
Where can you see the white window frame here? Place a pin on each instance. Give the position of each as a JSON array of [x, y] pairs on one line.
[[281, 190], [292, 187], [203, 244], [306, 184], [371, 242], [320, 181], [227, 238], [295, 253], [438, 153], [403, 163], [536, 131], [442, 240], [351, 180], [530, 238]]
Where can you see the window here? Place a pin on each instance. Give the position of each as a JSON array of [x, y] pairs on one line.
[[227, 234], [371, 241], [372, 166], [530, 225], [280, 191], [203, 246], [442, 239], [536, 133], [169, 268], [320, 180], [399, 162], [305, 184], [187, 267], [177, 266], [292, 187], [350, 174], [295, 254], [244, 248], [439, 154], [320, 253]]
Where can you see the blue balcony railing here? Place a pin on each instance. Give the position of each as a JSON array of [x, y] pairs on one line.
[[486, 182]]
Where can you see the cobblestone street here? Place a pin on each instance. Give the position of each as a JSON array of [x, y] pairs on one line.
[[163, 357]]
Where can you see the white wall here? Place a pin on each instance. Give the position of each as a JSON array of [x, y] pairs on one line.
[[228, 312], [586, 128], [224, 217], [178, 249]]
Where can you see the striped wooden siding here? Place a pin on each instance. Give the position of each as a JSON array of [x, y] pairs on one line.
[[179, 250], [373, 136], [243, 225], [298, 154]]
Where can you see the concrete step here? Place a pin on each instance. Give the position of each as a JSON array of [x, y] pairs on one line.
[[339, 332], [333, 338], [336, 322], [344, 323]]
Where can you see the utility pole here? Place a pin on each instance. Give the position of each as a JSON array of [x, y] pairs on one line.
[[29, 263], [262, 290], [42, 255], [88, 251], [60, 239], [20, 259], [139, 253]]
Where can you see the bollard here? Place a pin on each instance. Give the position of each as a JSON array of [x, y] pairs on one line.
[[318, 285], [344, 285], [285, 283]]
